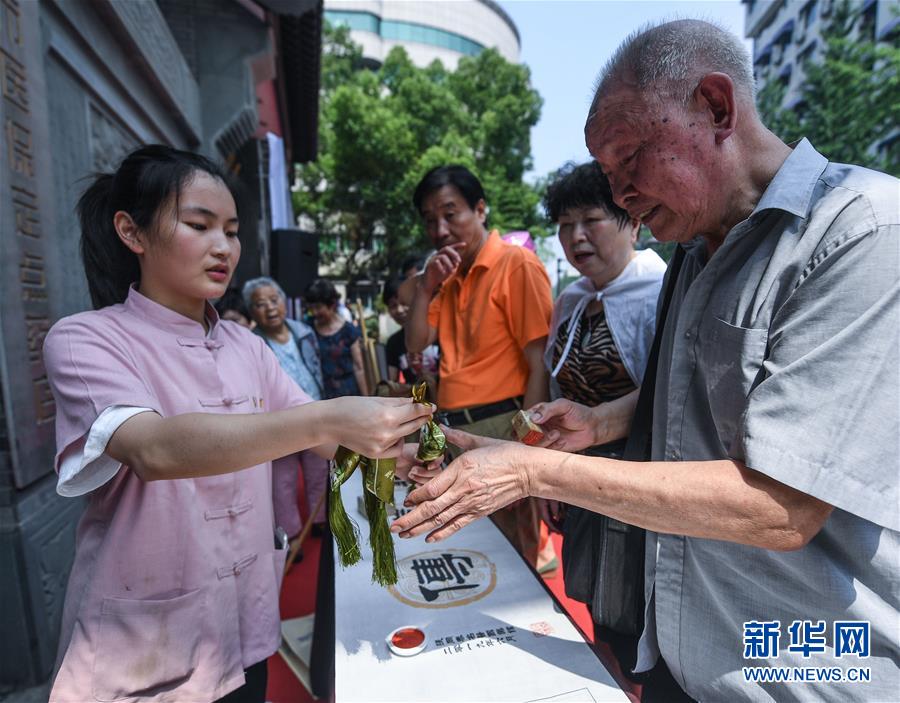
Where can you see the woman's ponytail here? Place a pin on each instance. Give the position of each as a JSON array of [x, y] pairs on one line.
[[109, 265]]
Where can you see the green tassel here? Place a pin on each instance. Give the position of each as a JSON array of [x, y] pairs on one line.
[[345, 531], [384, 562]]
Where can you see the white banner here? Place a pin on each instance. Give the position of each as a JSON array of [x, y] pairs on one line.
[[279, 195], [492, 632]]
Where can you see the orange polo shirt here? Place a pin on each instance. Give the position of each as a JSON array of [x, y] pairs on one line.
[[485, 319]]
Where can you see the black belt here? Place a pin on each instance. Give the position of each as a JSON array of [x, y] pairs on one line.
[[467, 416]]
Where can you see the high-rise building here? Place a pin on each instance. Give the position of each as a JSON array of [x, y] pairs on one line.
[[436, 29], [788, 33]]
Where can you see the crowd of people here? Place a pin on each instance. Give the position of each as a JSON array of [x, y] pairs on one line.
[[719, 433]]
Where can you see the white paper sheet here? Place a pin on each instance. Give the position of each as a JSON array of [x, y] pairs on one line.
[[296, 645], [493, 632]]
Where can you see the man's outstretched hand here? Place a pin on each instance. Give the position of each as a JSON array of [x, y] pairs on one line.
[[477, 483]]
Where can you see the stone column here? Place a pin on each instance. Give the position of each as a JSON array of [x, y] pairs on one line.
[[36, 526]]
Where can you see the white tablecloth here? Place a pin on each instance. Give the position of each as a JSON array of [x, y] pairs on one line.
[[493, 632]]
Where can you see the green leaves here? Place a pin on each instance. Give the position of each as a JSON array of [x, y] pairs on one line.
[[381, 131], [850, 99]]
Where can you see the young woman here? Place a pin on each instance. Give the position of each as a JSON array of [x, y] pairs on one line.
[[340, 343], [168, 420]]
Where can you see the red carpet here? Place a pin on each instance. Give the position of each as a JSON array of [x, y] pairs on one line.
[[298, 597], [577, 611]]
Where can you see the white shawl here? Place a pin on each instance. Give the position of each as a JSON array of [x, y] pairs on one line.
[[629, 301]]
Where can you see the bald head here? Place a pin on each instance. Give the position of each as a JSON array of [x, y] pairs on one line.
[[667, 61]]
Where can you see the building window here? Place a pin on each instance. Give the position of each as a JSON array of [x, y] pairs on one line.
[[808, 14], [784, 76], [785, 34], [359, 21], [867, 21], [404, 31], [889, 31], [422, 34], [806, 55]]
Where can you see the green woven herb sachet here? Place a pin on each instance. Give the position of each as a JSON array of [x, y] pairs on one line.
[[380, 479], [431, 439]]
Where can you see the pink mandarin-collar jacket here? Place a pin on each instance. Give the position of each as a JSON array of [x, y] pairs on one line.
[[174, 589]]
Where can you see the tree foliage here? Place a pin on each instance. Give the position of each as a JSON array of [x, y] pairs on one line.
[[850, 99], [382, 130]]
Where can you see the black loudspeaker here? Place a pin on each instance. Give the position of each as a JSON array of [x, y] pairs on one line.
[[294, 260]]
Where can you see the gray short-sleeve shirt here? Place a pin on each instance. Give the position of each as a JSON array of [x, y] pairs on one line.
[[781, 351]]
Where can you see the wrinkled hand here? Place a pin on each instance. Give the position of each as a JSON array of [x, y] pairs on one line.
[[568, 426], [409, 468], [475, 484], [466, 440], [441, 266], [374, 427]]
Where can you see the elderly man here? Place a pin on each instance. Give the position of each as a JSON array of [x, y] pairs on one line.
[[772, 491]]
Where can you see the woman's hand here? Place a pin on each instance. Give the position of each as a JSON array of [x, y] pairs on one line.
[[568, 426], [552, 513], [373, 427], [475, 484], [409, 468]]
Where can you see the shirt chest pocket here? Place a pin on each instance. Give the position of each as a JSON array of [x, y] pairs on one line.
[[147, 647], [731, 359]]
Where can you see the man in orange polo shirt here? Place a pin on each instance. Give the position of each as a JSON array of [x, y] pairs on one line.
[[489, 305]]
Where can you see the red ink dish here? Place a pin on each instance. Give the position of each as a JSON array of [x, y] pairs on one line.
[[406, 641], [407, 638]]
